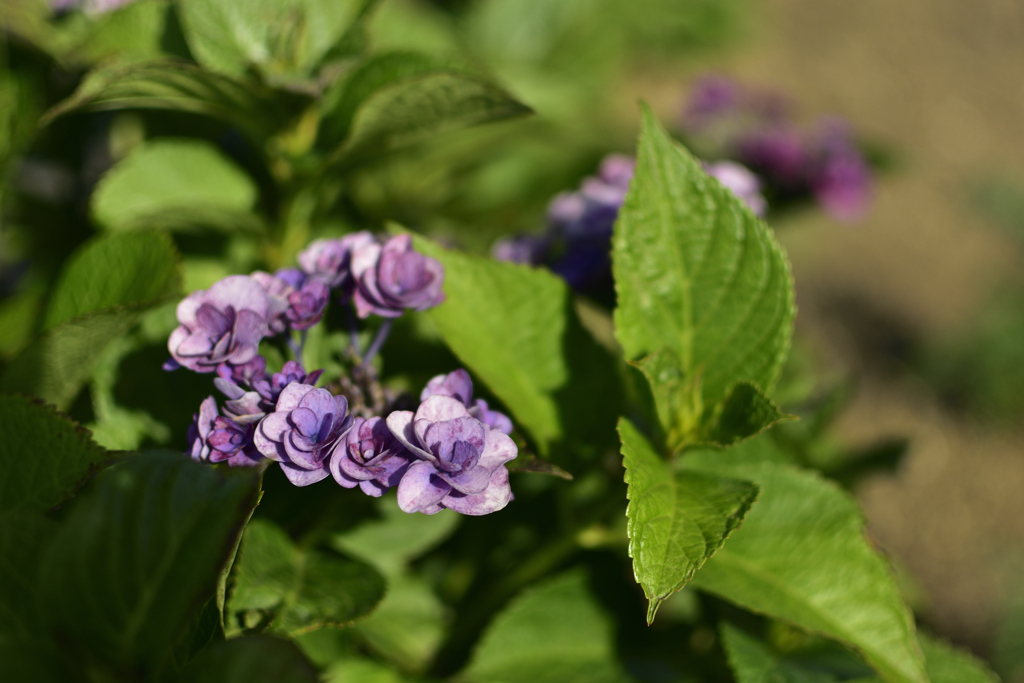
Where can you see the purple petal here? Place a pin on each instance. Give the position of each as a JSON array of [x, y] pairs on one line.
[[493, 498], [421, 488], [498, 449], [471, 481], [292, 395], [400, 424], [300, 477], [440, 437], [441, 409], [372, 488], [240, 291], [306, 421], [457, 384]]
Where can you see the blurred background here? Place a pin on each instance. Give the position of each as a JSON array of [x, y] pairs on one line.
[[911, 315]]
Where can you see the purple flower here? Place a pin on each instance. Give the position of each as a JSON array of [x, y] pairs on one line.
[[331, 260], [306, 305], [741, 182], [370, 457], [301, 434], [223, 324], [394, 277], [199, 431], [711, 97], [461, 461], [232, 442], [778, 153], [525, 249], [244, 374], [213, 438], [270, 388], [839, 175], [278, 290], [459, 385]]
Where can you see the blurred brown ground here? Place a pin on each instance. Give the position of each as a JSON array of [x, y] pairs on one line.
[[941, 82]]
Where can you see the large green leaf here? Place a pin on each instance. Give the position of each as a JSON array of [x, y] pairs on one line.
[[115, 270], [171, 175], [552, 633], [279, 38], [801, 556], [676, 521], [99, 297], [22, 539], [408, 625], [698, 277], [752, 661], [253, 659], [506, 323], [140, 553], [44, 456], [295, 591], [402, 101], [181, 86]]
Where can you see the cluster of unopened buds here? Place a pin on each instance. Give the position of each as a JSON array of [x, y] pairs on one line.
[[448, 453]]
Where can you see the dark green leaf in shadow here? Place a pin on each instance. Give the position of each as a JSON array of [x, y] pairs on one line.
[[115, 270], [139, 554], [752, 661], [44, 456], [252, 659], [553, 632], [676, 520], [22, 540], [292, 590]]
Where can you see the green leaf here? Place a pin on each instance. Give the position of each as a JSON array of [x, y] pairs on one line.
[[282, 39], [139, 554], [295, 591], [676, 521], [56, 364], [412, 104], [115, 270], [168, 176], [698, 275], [552, 633], [180, 86], [801, 556], [388, 543], [132, 32], [253, 659], [753, 662], [409, 624], [44, 456], [359, 670], [946, 664], [22, 539], [506, 323], [124, 275]]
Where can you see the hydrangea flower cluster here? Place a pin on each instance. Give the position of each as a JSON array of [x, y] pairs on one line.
[[723, 119], [449, 453]]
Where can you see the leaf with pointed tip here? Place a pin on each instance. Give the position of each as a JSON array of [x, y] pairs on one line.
[[698, 274], [676, 521], [44, 456], [802, 557]]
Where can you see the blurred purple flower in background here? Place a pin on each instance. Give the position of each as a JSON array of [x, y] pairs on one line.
[[302, 432], [460, 461], [741, 182], [393, 277], [370, 457], [223, 324]]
